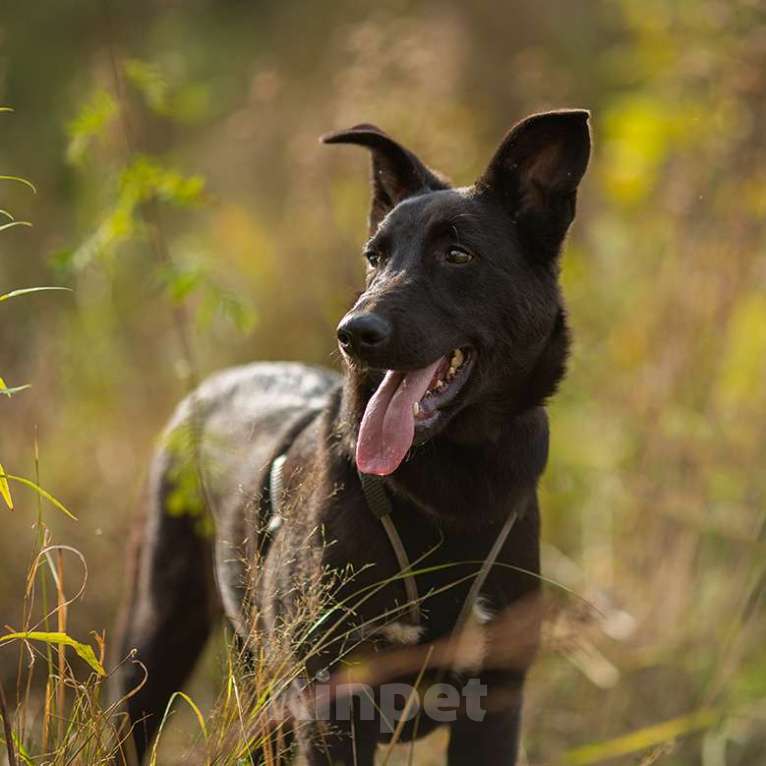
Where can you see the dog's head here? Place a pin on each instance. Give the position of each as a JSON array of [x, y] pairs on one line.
[[461, 323]]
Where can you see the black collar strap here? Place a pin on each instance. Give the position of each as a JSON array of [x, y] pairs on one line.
[[380, 506]]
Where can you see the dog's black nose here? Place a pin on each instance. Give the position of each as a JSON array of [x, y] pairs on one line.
[[358, 333]]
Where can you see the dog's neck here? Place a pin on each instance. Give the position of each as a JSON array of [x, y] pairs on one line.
[[470, 485], [489, 459], [467, 484]]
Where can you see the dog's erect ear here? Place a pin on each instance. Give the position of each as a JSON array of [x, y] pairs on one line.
[[535, 173], [396, 172]]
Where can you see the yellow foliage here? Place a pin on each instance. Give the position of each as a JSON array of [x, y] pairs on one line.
[[742, 371]]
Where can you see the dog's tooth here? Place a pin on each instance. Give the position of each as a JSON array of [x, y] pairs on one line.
[[457, 358], [416, 409]]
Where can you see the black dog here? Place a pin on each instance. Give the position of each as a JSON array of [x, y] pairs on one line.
[[451, 352]]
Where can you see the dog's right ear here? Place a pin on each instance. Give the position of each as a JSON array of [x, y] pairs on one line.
[[535, 173], [396, 172]]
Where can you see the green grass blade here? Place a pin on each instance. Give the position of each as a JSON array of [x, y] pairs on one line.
[[84, 651], [19, 180], [9, 391], [28, 290], [649, 736], [200, 720], [11, 224], [22, 752], [5, 490], [40, 491]]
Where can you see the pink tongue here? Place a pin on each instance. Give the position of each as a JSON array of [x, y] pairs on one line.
[[388, 425]]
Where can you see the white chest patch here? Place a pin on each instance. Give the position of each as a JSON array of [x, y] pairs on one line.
[[470, 646], [481, 612], [400, 633]]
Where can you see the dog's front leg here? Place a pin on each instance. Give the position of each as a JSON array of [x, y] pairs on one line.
[[491, 741]]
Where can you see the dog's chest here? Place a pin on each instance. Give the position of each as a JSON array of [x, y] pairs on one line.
[[443, 565]]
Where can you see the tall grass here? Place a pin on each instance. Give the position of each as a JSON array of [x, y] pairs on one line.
[[66, 722], [655, 491]]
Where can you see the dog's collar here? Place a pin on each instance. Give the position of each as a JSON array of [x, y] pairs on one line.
[[380, 506]]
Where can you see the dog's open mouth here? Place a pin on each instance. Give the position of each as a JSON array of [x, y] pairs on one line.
[[406, 402]]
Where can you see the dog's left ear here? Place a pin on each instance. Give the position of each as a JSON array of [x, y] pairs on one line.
[[396, 172], [535, 173]]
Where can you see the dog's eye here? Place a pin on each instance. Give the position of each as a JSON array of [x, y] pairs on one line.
[[458, 257], [373, 258]]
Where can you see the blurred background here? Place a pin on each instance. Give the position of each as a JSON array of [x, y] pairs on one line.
[[183, 197]]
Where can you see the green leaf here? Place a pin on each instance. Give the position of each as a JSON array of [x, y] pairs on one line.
[[146, 178], [40, 491], [90, 123], [182, 280], [165, 94], [85, 651], [150, 82], [27, 290], [5, 490]]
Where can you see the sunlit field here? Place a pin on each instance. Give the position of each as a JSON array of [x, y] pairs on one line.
[[160, 167]]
